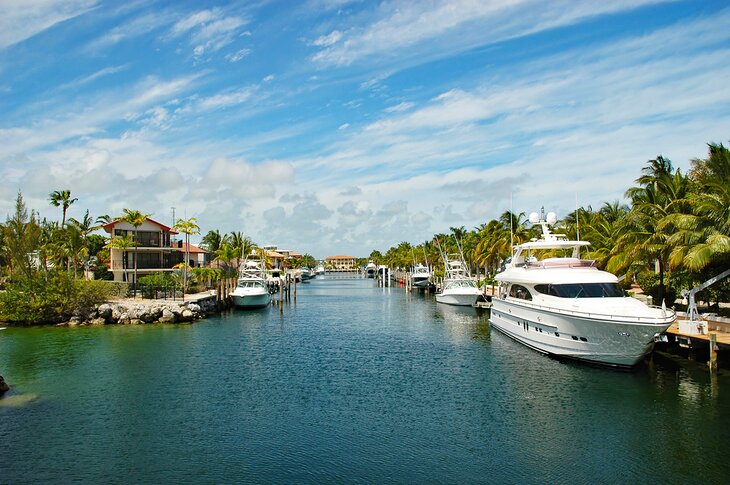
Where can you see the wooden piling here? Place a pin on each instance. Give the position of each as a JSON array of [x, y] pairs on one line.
[[713, 351]]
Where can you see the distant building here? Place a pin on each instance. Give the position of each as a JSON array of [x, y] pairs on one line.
[[341, 262]]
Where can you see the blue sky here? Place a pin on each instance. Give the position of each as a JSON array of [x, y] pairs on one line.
[[338, 127]]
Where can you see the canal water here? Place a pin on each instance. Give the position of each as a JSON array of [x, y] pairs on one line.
[[353, 383]]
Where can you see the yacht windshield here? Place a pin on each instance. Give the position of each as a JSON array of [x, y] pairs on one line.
[[461, 284], [582, 290], [250, 284]]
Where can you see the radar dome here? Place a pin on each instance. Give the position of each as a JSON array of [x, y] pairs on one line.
[[534, 217], [551, 218]]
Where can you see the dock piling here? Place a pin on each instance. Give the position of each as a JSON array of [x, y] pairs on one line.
[[713, 351]]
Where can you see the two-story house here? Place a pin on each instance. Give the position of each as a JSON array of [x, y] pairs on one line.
[[155, 250]]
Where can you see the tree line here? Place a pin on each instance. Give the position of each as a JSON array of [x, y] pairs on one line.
[[672, 234]]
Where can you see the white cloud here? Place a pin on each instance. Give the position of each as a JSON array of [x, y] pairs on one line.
[[403, 28], [107, 71], [237, 56], [21, 20], [136, 27], [210, 31], [226, 99], [192, 21], [328, 40], [404, 106]]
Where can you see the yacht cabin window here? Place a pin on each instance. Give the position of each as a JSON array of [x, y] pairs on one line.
[[582, 290], [519, 291]]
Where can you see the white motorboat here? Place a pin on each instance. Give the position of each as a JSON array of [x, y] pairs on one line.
[[459, 288], [370, 269], [305, 274], [565, 306], [320, 269], [420, 276], [251, 290]]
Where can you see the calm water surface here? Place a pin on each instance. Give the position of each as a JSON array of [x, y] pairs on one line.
[[353, 383]]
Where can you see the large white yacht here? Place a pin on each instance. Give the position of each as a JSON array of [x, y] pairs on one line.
[[421, 276], [459, 288], [252, 290], [565, 306]]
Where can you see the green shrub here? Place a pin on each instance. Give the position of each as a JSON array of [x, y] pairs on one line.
[[152, 285], [50, 298]]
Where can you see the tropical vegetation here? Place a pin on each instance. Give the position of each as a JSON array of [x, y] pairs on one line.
[[673, 233]]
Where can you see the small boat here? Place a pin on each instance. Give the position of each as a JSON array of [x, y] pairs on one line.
[[320, 269], [420, 276], [370, 269], [564, 306], [305, 274], [459, 288], [252, 289]]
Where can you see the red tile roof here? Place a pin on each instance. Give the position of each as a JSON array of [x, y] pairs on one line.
[[110, 227]]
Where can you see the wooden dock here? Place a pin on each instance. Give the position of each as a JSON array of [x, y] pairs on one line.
[[721, 338]]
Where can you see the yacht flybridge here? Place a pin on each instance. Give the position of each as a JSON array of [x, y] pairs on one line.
[[565, 306]]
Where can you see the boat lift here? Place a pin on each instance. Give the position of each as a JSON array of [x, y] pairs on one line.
[[692, 325]]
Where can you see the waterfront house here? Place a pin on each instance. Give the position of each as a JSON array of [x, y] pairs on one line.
[[156, 250], [199, 257]]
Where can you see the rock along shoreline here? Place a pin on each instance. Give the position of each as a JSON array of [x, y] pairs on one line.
[[139, 312]]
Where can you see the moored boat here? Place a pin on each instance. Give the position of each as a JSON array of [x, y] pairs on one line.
[[370, 269], [252, 289], [567, 307], [459, 288], [420, 276]]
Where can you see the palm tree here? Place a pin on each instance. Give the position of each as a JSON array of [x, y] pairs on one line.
[[212, 241], [187, 227], [121, 242], [61, 198], [242, 243], [660, 193], [224, 255], [136, 219], [103, 220], [702, 233]]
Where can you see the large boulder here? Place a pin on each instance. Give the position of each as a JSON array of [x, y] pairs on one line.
[[117, 312], [105, 311], [4, 387], [167, 316]]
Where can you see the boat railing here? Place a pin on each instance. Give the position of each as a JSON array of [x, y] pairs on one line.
[[561, 263], [669, 314]]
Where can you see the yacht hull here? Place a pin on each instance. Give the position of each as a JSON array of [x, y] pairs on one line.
[[420, 282], [618, 342], [251, 300], [458, 299]]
